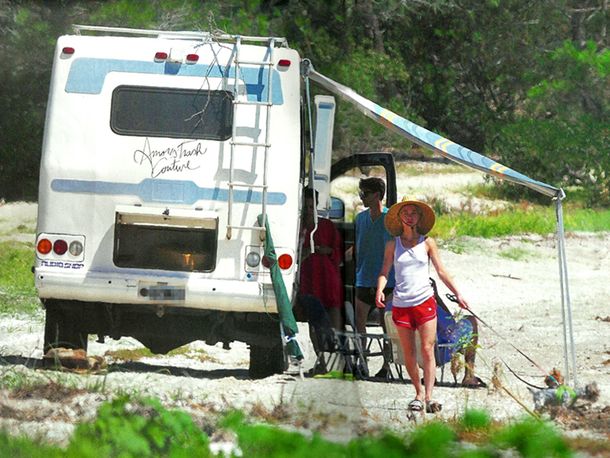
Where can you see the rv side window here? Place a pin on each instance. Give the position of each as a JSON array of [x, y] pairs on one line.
[[175, 113]]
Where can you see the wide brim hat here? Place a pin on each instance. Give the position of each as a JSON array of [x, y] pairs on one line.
[[426, 220]]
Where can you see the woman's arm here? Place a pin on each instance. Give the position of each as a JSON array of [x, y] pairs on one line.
[[382, 280], [433, 253]]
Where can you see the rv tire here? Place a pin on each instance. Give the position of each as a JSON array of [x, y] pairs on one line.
[[266, 361], [62, 328]]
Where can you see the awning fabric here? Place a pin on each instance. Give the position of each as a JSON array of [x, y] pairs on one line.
[[430, 140]]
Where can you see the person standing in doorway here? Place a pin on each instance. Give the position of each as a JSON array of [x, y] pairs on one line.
[[370, 240], [320, 274]]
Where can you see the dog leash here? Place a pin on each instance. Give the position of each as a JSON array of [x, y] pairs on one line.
[[519, 378], [453, 298]]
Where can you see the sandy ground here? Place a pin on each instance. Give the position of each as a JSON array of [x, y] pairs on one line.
[[519, 299]]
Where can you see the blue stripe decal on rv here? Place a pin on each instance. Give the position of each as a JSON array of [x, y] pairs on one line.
[[166, 191], [87, 75]]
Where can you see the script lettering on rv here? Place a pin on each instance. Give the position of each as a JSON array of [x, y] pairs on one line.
[[173, 159]]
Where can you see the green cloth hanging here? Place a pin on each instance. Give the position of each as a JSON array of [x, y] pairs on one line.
[[284, 306]]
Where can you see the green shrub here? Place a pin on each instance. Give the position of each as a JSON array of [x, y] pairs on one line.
[[17, 292], [432, 439], [386, 446], [532, 439], [262, 440], [475, 419], [22, 447], [130, 428]]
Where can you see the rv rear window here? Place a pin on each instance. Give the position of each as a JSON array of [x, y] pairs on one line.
[[175, 113]]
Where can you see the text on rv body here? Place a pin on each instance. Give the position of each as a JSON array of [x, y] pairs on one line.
[[171, 159]]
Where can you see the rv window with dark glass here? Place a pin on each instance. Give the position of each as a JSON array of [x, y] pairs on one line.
[[175, 113]]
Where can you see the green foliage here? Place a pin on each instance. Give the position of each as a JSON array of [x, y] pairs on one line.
[[130, 428], [17, 292], [530, 220], [264, 440], [561, 134], [432, 439], [474, 419], [18, 447], [28, 31], [387, 445], [532, 438], [507, 223], [492, 75], [588, 220]]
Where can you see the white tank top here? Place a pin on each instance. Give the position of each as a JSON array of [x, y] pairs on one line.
[[411, 271]]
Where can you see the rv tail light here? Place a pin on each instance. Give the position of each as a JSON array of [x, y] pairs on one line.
[[68, 50], [160, 55], [44, 246], [253, 259], [284, 261], [75, 248], [266, 262], [285, 63], [60, 247], [192, 58]]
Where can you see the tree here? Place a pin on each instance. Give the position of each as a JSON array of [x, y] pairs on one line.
[[27, 39], [561, 134]]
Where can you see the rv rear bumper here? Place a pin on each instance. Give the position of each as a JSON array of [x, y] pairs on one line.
[[189, 292]]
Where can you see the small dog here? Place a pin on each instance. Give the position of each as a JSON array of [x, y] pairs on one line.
[[558, 394]]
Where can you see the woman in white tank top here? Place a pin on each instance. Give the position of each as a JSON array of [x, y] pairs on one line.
[[413, 304]]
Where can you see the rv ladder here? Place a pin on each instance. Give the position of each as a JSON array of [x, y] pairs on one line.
[[265, 109]]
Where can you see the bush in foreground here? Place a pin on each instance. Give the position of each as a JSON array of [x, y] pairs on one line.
[[143, 428]]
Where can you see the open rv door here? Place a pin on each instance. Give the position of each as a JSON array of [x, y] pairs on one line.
[[355, 165]]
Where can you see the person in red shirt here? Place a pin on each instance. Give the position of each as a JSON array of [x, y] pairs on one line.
[[320, 274]]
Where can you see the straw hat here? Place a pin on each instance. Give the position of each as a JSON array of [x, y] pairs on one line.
[[394, 225]]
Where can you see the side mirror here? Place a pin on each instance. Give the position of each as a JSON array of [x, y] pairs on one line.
[[337, 209]]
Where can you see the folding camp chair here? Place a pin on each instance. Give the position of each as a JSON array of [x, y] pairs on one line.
[[451, 337], [340, 350], [372, 345], [397, 356]]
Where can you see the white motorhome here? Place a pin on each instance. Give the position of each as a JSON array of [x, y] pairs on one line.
[[161, 150]]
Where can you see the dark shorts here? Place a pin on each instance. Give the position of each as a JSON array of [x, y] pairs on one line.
[[367, 295], [414, 317]]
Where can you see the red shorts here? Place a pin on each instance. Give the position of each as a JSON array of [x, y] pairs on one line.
[[413, 317]]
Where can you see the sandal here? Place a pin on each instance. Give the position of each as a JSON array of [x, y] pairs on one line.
[[416, 405], [433, 407]]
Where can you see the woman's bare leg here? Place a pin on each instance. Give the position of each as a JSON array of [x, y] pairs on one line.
[[427, 333], [407, 342]]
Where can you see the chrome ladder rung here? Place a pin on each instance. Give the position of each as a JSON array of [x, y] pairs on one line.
[[267, 104], [251, 228], [254, 103], [264, 145], [249, 186], [255, 62]]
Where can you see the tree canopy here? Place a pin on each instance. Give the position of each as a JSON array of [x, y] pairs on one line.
[[523, 81]]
